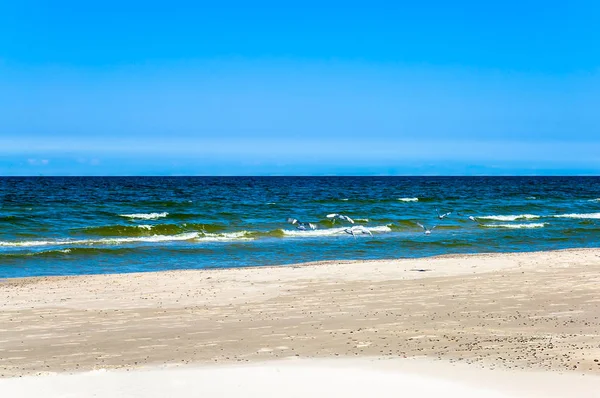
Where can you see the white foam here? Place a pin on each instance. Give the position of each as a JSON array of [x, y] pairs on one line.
[[199, 237], [104, 241], [31, 243], [594, 200], [516, 226], [381, 229], [314, 232], [228, 236], [579, 216], [146, 216], [510, 217], [331, 231], [408, 199], [148, 227], [362, 219]]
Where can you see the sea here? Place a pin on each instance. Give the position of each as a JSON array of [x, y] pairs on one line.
[[96, 225]]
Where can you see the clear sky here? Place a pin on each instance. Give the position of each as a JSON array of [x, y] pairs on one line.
[[263, 87]]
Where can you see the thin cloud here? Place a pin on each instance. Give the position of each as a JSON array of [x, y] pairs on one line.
[[38, 162]]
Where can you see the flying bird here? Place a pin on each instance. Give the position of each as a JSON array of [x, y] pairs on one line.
[[358, 229], [334, 216], [474, 219], [442, 216], [301, 225], [427, 230]]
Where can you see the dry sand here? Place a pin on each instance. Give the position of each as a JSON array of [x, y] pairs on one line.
[[530, 311]]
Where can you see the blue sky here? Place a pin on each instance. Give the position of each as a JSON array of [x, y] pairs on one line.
[[338, 88]]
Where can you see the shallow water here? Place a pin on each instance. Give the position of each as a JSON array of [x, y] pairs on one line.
[[63, 226]]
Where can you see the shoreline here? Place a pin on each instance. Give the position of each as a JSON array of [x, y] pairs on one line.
[[534, 311], [306, 264]]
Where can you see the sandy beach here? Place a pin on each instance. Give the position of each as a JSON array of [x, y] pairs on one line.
[[517, 314]]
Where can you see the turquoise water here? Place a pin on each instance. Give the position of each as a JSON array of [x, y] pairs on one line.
[[65, 226]]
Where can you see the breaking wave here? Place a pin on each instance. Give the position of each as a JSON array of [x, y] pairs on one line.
[[148, 230], [104, 241], [595, 216], [331, 231], [515, 226], [510, 217], [225, 237], [145, 216]]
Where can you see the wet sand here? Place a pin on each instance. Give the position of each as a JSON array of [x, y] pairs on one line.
[[531, 311]]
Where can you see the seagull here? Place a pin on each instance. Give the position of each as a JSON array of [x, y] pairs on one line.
[[442, 216], [474, 219], [358, 229], [427, 231], [333, 216], [302, 226]]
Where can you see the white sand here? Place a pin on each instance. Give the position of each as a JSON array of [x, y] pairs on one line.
[[364, 377], [490, 320]]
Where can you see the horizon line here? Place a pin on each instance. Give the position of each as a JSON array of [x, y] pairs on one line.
[[302, 176]]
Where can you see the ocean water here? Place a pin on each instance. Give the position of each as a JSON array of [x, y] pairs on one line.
[[66, 226]]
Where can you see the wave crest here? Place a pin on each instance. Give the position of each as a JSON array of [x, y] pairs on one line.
[[145, 216], [595, 216], [510, 217], [103, 241], [148, 230], [227, 236], [516, 226], [331, 231]]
